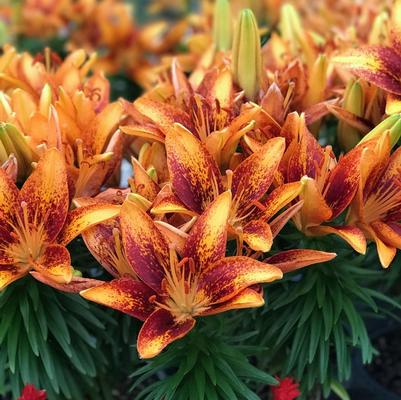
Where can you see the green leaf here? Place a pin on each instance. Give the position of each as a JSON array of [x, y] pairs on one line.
[[339, 390]]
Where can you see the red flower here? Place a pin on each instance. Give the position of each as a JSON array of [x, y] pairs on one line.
[[29, 392], [287, 389]]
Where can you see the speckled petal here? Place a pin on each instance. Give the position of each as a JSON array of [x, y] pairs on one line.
[[207, 240], [55, 264], [229, 276], [46, 194], [159, 330], [292, 260], [84, 217], [125, 294], [248, 298], [194, 174], [254, 175], [145, 247]]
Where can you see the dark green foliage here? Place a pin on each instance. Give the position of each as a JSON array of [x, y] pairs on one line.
[[315, 318], [50, 339], [204, 365]]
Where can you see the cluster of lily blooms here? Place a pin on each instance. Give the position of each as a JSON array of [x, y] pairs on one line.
[[226, 153]]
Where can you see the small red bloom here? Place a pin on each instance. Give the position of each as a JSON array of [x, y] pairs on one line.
[[29, 392], [287, 389]]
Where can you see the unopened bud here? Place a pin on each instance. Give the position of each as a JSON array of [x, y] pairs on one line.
[[391, 124], [378, 33], [347, 135], [222, 25], [246, 54], [317, 82]]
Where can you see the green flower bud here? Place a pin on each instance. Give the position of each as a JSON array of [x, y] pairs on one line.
[[392, 124], [222, 25], [354, 102], [246, 54]]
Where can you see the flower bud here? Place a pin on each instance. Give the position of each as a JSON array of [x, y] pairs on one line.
[[294, 34], [347, 135], [378, 33], [246, 54], [222, 25], [391, 124], [13, 142], [317, 82]]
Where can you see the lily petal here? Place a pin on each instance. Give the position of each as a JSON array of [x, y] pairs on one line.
[[351, 234], [389, 233], [258, 235], [159, 330], [254, 175], [146, 249], [207, 240], [125, 294], [84, 217], [248, 298], [10, 273], [292, 260], [45, 193], [74, 286], [343, 181], [55, 264], [229, 276], [194, 174], [280, 197], [376, 64]]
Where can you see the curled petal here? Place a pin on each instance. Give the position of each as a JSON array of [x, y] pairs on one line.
[[207, 240], [10, 273], [351, 234], [55, 264], [258, 235], [125, 294], [229, 276], [45, 193], [84, 217], [194, 174], [248, 298], [292, 260], [253, 177], [74, 286], [145, 247], [159, 330]]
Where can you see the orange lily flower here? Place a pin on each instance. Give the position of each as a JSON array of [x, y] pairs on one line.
[[196, 182], [35, 224], [380, 63], [170, 294], [211, 111], [61, 108], [377, 207], [328, 186]]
